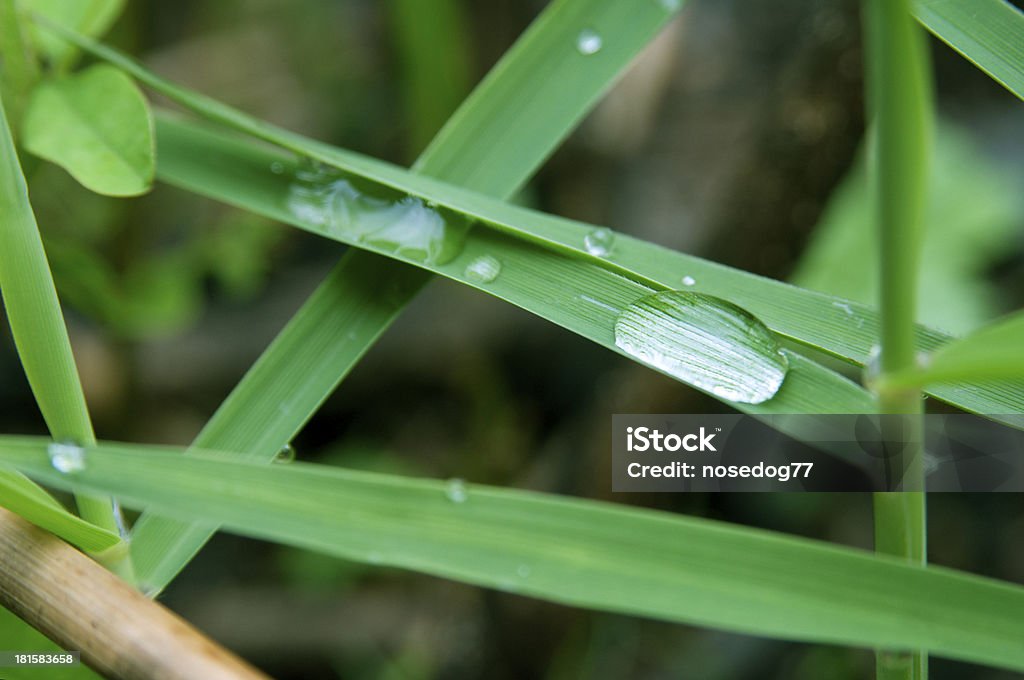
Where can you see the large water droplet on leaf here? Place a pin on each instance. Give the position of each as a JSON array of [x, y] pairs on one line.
[[360, 212], [599, 241], [705, 341]]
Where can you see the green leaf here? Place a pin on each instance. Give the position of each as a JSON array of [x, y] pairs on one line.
[[993, 353], [533, 245], [989, 33], [89, 17], [37, 324], [19, 495], [96, 125], [577, 552], [365, 293]]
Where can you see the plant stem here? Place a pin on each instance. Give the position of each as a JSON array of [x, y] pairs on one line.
[[80, 606], [899, 110]]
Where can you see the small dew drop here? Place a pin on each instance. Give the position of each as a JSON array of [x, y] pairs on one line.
[[483, 269], [844, 306], [599, 241], [670, 5], [523, 571], [277, 168], [705, 341], [455, 490], [285, 455], [689, 281], [66, 457], [588, 42]]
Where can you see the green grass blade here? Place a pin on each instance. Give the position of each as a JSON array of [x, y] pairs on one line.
[[34, 314], [578, 552], [995, 352], [163, 546], [238, 172], [989, 33], [19, 495], [842, 339], [90, 17]]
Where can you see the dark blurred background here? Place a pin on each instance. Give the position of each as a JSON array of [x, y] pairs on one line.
[[735, 136]]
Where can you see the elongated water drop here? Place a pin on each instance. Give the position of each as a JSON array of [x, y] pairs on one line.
[[483, 269], [589, 42], [285, 455], [705, 341], [357, 211], [66, 457], [599, 241], [455, 490]]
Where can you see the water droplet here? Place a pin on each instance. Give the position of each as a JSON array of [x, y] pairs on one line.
[[285, 455], [689, 281], [705, 341], [66, 457], [845, 307], [277, 168], [588, 42], [375, 557], [599, 241], [483, 269], [455, 490], [670, 5], [356, 211], [523, 571]]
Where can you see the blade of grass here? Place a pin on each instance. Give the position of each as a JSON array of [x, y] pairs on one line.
[[843, 340], [18, 494], [989, 33], [34, 314], [579, 552], [238, 172], [899, 114], [990, 353], [335, 322]]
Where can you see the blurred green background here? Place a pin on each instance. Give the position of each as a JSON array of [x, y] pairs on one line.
[[735, 136]]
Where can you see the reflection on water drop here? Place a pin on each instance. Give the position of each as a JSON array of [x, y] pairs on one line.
[[599, 241], [455, 490], [689, 281], [340, 204], [588, 42], [66, 457], [705, 341], [483, 269], [285, 455], [845, 307]]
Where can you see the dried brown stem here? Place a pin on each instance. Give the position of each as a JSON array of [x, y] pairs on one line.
[[83, 607]]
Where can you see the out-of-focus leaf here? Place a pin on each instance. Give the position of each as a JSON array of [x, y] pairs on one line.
[[98, 126], [89, 17]]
